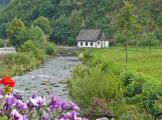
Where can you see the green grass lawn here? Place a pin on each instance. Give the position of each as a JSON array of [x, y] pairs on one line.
[[142, 60]]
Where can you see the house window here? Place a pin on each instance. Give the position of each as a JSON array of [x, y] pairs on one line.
[[81, 43], [98, 42], [91, 43], [86, 43]]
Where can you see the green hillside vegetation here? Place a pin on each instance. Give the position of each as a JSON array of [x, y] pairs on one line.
[[67, 17]]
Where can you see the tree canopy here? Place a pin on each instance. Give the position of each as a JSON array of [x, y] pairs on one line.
[[61, 20]]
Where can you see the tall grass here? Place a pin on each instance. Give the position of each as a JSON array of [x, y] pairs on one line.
[[132, 95], [94, 84]]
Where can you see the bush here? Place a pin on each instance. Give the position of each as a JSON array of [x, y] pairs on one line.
[[51, 49], [21, 62], [2, 44], [71, 41], [133, 84], [100, 85], [151, 94], [124, 111], [134, 96], [29, 46]]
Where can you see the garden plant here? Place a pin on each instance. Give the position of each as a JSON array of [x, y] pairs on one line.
[[13, 107]]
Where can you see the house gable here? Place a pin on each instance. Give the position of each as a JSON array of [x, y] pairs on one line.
[[92, 38], [88, 35]]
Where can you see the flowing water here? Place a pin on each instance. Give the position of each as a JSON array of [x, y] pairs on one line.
[[50, 79]]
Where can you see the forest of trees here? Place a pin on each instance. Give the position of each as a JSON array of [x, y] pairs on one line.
[[4, 2], [64, 18]]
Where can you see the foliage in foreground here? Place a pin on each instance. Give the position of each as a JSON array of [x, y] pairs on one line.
[[131, 95], [13, 107]]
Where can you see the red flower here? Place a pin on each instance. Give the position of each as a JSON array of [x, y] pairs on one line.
[[8, 81]]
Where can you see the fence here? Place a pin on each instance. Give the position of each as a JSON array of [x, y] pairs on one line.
[[7, 50]]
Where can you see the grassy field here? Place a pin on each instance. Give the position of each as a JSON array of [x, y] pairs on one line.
[[142, 60]]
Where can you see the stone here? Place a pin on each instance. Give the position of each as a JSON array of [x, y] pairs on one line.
[[43, 83], [52, 84], [26, 89], [104, 118], [64, 90]]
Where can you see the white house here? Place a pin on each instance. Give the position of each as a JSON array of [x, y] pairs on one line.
[[93, 38]]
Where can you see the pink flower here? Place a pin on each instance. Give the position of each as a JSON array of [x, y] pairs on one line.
[[17, 115], [38, 101]]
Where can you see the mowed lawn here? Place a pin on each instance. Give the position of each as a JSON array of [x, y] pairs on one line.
[[142, 60]]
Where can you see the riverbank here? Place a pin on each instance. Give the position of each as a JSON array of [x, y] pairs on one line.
[[102, 86], [48, 80], [28, 57]]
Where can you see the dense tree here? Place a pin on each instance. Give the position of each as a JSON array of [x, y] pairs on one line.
[[36, 34], [61, 30], [48, 9], [150, 36], [3, 30], [17, 8], [43, 23], [75, 22], [93, 13], [15, 30], [4, 2]]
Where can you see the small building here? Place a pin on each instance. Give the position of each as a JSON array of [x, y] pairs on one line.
[[93, 38]]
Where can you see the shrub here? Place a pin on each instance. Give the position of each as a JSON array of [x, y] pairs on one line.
[[124, 111], [133, 84], [151, 94], [51, 49], [94, 84], [20, 62], [71, 41], [134, 96], [29, 46], [2, 44], [86, 55]]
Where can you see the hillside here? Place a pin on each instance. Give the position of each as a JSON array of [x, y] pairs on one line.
[[67, 17]]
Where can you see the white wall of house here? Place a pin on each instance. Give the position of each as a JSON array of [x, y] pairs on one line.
[[106, 44], [85, 44], [97, 44]]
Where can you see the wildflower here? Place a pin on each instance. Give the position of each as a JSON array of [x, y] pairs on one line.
[[55, 104], [18, 96], [65, 105], [21, 105], [38, 101], [10, 100], [73, 107], [1, 91], [34, 95], [46, 117], [8, 81], [17, 115], [70, 116]]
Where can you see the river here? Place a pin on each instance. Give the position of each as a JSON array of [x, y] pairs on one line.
[[50, 79]]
